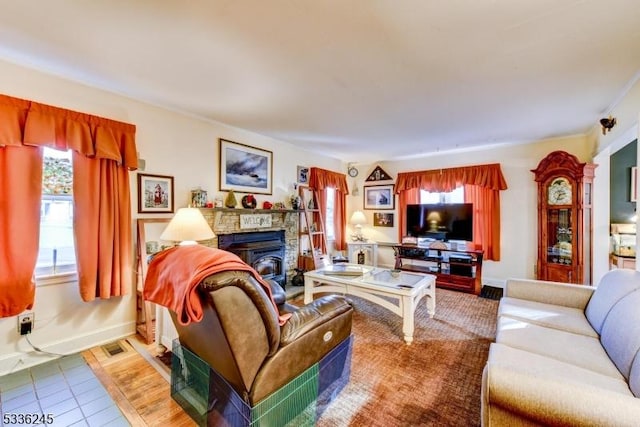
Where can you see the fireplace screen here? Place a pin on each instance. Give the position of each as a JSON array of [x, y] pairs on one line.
[[264, 251]]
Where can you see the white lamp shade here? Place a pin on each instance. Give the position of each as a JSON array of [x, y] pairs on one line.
[[188, 225], [358, 218]]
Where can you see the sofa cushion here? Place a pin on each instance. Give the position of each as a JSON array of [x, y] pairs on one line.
[[580, 350], [546, 292], [549, 315], [547, 367], [613, 286], [634, 377], [621, 332]]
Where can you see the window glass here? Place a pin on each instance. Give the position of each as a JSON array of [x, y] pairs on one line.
[[329, 226], [56, 253], [455, 196]]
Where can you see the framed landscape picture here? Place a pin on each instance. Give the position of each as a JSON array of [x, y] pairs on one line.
[[379, 197], [155, 193], [245, 169]]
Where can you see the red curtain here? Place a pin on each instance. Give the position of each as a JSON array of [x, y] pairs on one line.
[[103, 151], [482, 184], [340, 219], [320, 180], [320, 241], [20, 190], [486, 219], [406, 197]]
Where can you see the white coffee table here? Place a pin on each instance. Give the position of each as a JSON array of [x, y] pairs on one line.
[[400, 295]]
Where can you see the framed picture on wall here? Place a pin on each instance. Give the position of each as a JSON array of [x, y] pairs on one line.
[[633, 196], [303, 175], [245, 169], [383, 219], [155, 193], [378, 197]]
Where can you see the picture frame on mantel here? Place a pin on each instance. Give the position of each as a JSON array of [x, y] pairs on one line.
[[245, 169], [155, 193]]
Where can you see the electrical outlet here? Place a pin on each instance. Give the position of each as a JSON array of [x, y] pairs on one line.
[[25, 323]]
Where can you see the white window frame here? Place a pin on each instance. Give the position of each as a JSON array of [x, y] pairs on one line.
[[330, 230], [455, 196], [52, 274]]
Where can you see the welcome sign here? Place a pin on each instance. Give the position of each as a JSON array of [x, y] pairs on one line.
[[255, 221]]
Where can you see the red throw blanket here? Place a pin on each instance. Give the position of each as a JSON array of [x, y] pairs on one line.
[[174, 275]]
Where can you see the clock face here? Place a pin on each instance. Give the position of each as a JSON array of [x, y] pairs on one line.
[[559, 192], [353, 172]]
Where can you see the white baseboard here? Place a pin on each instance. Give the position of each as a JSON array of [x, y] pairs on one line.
[[17, 361]]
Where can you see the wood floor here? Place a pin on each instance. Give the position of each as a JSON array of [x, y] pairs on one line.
[[138, 388]]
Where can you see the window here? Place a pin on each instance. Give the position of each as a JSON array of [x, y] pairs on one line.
[[56, 254], [455, 196], [329, 226]]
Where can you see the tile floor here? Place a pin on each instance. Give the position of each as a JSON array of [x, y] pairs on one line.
[[65, 388]]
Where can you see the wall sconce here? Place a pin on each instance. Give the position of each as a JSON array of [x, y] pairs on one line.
[[607, 124]]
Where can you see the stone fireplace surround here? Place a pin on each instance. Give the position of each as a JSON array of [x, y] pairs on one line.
[[227, 221]]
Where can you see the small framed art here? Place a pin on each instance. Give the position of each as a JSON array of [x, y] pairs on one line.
[[379, 197], [383, 219], [155, 193], [303, 175], [633, 195], [245, 169]]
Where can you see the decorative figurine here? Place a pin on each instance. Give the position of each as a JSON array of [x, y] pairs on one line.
[[230, 201], [295, 201]]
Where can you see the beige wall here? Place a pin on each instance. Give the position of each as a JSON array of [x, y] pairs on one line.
[[172, 144], [518, 202]]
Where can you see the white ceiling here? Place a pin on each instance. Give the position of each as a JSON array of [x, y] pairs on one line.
[[360, 80]]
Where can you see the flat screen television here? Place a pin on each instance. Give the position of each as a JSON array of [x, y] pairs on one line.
[[450, 221]]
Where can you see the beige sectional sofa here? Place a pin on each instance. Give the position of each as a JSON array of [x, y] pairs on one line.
[[566, 354]]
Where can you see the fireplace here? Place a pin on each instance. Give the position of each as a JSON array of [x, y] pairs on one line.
[[262, 250]]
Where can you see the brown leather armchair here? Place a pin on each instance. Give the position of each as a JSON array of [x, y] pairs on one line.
[[241, 340]]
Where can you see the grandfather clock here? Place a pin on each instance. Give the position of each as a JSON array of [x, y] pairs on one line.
[[564, 218]]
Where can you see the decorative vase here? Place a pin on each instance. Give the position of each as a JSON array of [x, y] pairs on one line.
[[230, 201]]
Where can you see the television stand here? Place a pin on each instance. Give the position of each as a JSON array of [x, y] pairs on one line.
[[453, 268]]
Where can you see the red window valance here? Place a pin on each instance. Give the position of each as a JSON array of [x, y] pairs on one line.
[[445, 180], [31, 123], [319, 179]]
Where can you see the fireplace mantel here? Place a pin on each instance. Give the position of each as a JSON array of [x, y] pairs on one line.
[[244, 211]]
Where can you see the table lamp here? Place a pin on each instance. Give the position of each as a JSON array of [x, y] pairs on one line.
[[358, 220], [434, 220], [187, 227]]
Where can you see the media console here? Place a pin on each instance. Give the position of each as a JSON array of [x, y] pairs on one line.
[[454, 269]]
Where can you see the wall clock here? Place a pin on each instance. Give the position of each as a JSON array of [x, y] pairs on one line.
[[564, 218], [560, 192], [353, 172]]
